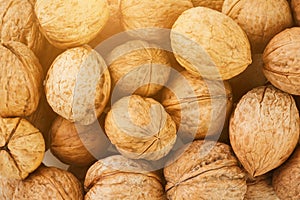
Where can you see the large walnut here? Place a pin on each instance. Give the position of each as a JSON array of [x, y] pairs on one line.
[[295, 5]]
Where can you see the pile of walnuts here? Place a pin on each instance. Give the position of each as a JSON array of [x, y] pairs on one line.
[[150, 99]]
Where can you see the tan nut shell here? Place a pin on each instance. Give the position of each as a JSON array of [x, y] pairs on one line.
[[197, 106], [140, 128], [264, 129], [20, 79], [205, 170], [71, 23], [139, 67], [282, 61], [7, 188], [210, 44], [260, 19], [117, 177], [213, 4], [78, 85], [295, 5], [22, 148]]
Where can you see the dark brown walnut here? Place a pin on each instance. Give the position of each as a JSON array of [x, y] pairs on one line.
[[286, 179], [22, 148], [264, 129], [117, 177], [21, 79], [7, 188], [282, 60], [76, 144], [295, 5], [204, 170]]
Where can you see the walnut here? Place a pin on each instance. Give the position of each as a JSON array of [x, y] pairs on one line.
[[140, 128], [138, 67], [264, 129], [7, 188], [199, 107], [204, 170], [117, 177], [22, 148], [213, 4], [261, 20], [295, 5], [78, 85], [282, 59], [71, 23], [21, 78], [286, 179], [210, 44]]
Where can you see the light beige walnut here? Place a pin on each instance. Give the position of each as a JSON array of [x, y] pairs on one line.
[[117, 177], [264, 129], [7, 188], [77, 85], [199, 107], [210, 44], [204, 170], [20, 79], [260, 19], [22, 148], [138, 67], [213, 4], [282, 60], [295, 5], [71, 23], [140, 128]]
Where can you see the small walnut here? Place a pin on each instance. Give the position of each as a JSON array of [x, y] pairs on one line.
[[204, 170], [22, 148], [295, 5], [286, 179], [78, 85], [213, 4], [264, 129], [140, 128], [282, 60], [117, 177], [210, 44], [21, 80]]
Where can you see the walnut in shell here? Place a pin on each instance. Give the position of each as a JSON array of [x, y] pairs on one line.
[[21, 80], [140, 128], [295, 5], [282, 60], [71, 23], [210, 44], [78, 85], [213, 4], [7, 188], [117, 177], [204, 170], [264, 129], [22, 148], [260, 19]]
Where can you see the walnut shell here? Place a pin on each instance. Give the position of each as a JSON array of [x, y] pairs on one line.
[[117, 177], [286, 179], [210, 44], [7, 188], [78, 85], [213, 4], [295, 5], [261, 20], [140, 128], [199, 107], [75, 144], [204, 170], [264, 138], [138, 67], [22, 148], [282, 60], [21, 80], [71, 23]]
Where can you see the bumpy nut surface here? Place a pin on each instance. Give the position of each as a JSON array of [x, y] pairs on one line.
[[205, 170], [199, 107], [213, 4], [295, 5], [75, 144], [21, 80], [286, 179], [70, 23], [22, 148], [139, 67], [264, 129], [7, 188], [282, 60], [261, 20], [210, 44], [117, 177], [140, 128], [78, 85]]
